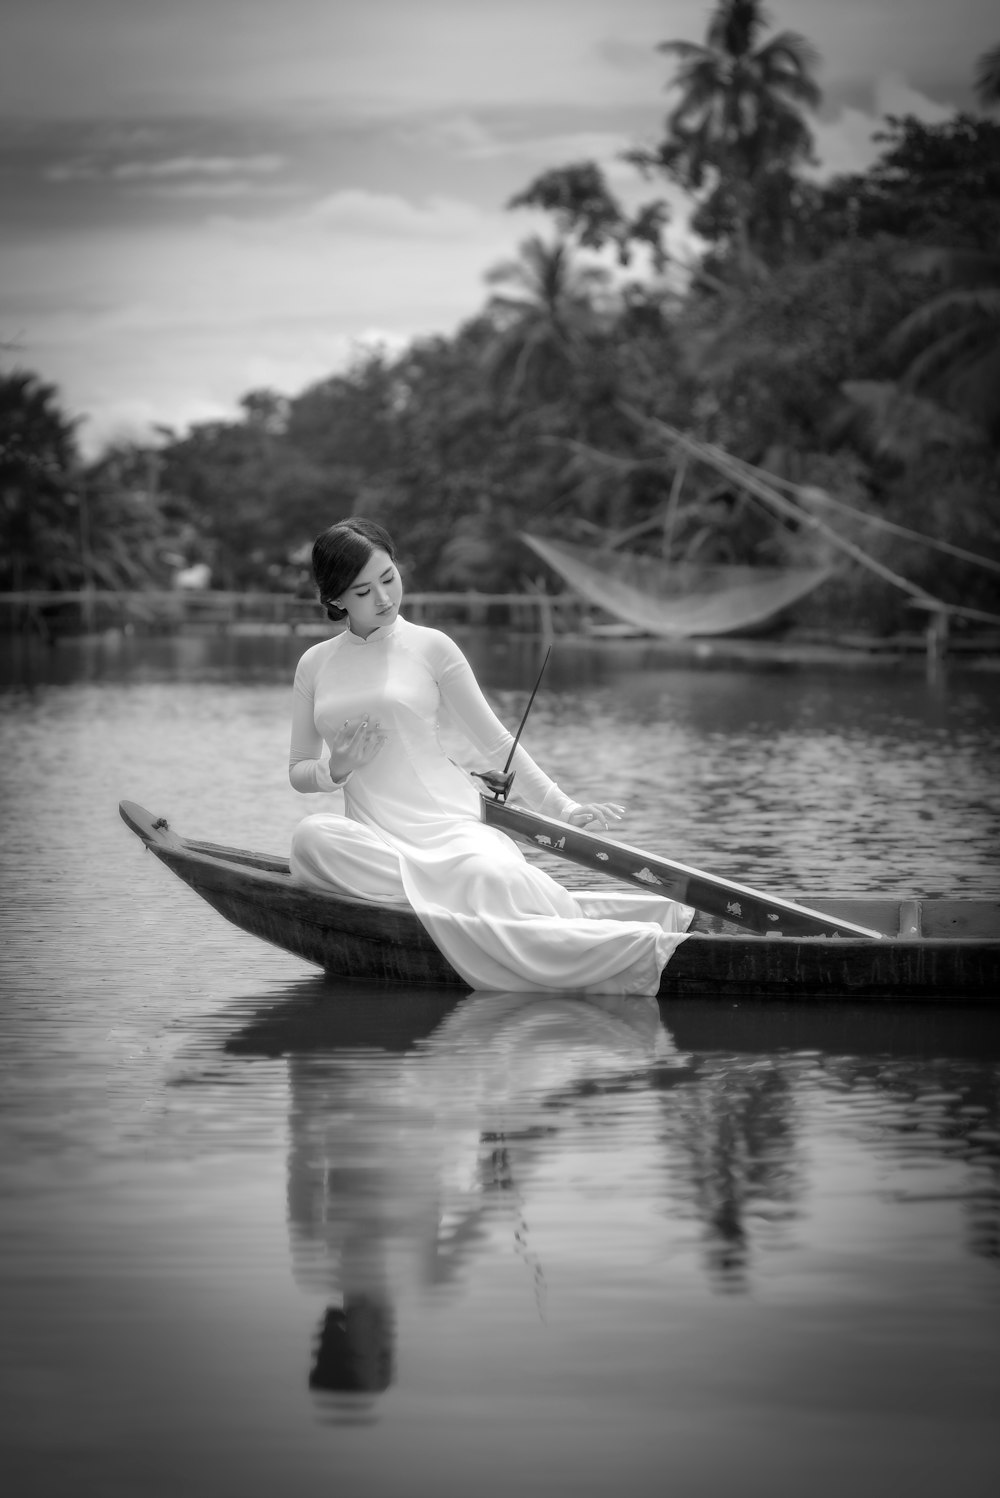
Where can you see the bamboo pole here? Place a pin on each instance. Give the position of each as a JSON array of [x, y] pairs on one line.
[[879, 522], [745, 476], [670, 518]]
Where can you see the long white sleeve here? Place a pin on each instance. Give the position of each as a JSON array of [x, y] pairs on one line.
[[468, 710], [307, 771]]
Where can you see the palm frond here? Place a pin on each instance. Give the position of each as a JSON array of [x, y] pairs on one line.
[[977, 307], [954, 363], [686, 51], [521, 305], [988, 78], [791, 58], [950, 358], [958, 267], [701, 86], [734, 26], [891, 422], [505, 270]]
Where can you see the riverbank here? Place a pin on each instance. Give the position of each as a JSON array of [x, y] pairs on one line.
[[49, 618], [802, 650]]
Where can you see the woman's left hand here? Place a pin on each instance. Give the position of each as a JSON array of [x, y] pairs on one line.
[[602, 812]]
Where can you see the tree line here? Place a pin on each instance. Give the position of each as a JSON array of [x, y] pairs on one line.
[[842, 334]]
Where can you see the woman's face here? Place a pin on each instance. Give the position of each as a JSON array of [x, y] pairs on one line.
[[372, 600]]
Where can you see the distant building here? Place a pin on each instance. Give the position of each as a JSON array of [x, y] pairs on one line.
[[195, 578]]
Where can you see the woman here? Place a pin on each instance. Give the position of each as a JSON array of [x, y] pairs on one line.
[[376, 696]]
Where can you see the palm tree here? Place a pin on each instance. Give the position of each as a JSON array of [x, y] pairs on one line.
[[885, 420], [951, 342], [740, 112], [40, 544], [544, 324], [988, 78]]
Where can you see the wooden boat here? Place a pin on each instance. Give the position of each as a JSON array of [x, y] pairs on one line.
[[942, 949]]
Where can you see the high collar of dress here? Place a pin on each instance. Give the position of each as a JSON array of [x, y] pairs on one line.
[[382, 633]]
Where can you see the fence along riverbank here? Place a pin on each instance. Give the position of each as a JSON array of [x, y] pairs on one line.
[[51, 613], [48, 616]]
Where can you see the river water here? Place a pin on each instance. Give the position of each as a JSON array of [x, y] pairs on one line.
[[260, 1235]]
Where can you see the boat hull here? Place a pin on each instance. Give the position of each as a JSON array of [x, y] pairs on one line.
[[957, 959]]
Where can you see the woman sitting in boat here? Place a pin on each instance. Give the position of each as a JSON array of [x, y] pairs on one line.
[[375, 696]]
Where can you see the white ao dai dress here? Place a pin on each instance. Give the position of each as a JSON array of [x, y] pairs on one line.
[[411, 832]]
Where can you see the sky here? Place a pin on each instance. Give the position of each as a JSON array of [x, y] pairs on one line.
[[205, 197]]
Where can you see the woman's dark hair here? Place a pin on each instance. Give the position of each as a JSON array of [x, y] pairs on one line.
[[355, 1347], [339, 554]]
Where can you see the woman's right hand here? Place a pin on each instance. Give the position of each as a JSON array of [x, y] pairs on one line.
[[353, 746]]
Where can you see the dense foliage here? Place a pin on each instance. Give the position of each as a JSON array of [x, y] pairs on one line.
[[844, 334]]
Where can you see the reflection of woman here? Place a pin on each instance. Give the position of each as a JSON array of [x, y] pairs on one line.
[[354, 1349], [393, 1159], [376, 696]]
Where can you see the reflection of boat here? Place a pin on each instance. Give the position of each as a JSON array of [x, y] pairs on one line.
[[682, 599], [940, 949]]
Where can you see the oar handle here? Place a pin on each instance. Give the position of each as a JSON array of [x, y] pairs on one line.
[[768, 915], [524, 715]]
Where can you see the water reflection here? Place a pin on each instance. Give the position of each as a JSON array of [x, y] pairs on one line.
[[733, 1141], [401, 1159], [426, 1131], [918, 1087], [947, 1104]]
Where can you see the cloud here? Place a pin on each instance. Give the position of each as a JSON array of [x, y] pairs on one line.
[[847, 143], [532, 152], [217, 191], [844, 144], [119, 60], [524, 140], [631, 56], [83, 170], [197, 166], [214, 168], [893, 95], [357, 211], [115, 59], [396, 118], [558, 147], [178, 320]]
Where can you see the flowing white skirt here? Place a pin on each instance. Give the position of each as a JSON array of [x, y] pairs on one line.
[[502, 922]]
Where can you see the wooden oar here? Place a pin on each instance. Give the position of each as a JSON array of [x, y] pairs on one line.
[[751, 908]]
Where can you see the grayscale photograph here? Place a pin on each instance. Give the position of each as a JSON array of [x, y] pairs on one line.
[[500, 744]]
